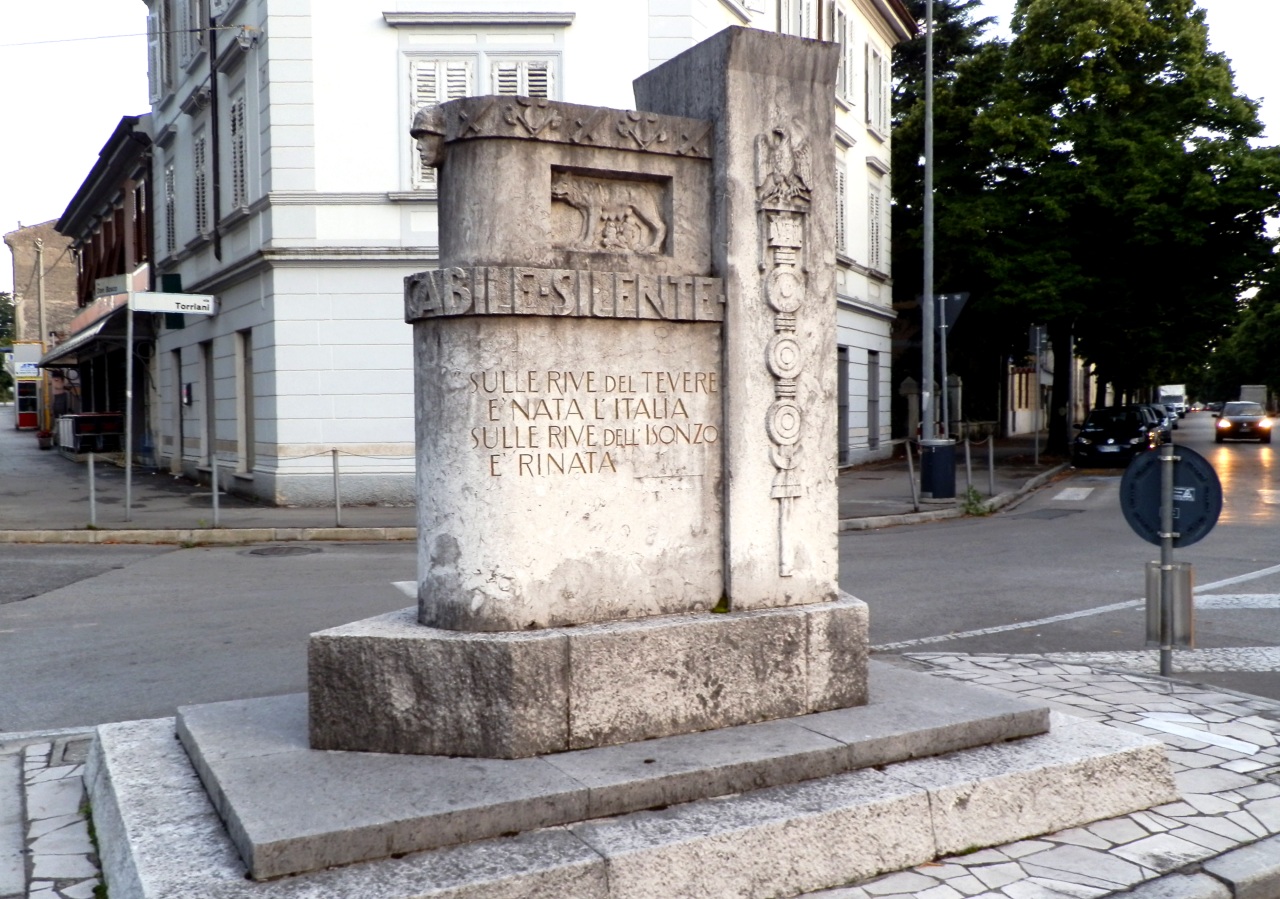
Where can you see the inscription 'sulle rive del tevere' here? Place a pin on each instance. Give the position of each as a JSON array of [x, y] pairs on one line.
[[564, 423]]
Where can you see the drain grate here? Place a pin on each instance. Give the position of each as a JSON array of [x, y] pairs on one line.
[[283, 551], [1048, 514]]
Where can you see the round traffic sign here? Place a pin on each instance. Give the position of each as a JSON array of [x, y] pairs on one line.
[[1197, 496]]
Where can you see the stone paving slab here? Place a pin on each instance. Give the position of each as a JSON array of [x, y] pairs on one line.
[[1228, 817], [291, 809]]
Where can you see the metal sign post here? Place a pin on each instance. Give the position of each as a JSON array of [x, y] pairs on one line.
[[1172, 499], [147, 301]]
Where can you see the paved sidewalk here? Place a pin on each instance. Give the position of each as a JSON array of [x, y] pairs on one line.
[[1221, 840], [44, 498]]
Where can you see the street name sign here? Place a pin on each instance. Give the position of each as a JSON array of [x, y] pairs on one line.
[[1197, 497], [186, 303]]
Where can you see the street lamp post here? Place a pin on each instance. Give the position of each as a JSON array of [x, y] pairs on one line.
[[926, 304]]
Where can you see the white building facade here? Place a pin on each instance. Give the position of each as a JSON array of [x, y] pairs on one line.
[[286, 184]]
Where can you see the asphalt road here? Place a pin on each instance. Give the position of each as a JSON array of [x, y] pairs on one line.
[[108, 633], [1066, 553]]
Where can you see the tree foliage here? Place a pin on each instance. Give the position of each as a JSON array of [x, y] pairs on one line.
[[1112, 192]]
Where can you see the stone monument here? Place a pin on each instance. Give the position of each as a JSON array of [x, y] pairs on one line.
[[630, 671], [626, 432]]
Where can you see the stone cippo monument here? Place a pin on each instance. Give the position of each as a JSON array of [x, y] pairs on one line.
[[630, 671]]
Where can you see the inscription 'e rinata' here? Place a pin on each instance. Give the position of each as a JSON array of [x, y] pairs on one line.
[[537, 423], [508, 290]]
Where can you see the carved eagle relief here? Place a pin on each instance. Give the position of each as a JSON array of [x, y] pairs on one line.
[[784, 166]]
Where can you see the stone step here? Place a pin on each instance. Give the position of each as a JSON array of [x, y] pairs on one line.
[[161, 837], [290, 809]]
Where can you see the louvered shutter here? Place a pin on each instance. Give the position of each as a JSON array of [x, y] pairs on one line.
[[524, 78], [841, 203], [239, 154], [200, 182], [873, 228], [155, 75]]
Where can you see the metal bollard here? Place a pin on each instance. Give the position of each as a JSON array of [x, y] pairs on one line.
[[337, 493], [213, 479], [911, 472], [968, 467], [93, 495], [991, 465]]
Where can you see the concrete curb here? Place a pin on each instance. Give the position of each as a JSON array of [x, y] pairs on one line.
[[997, 502], [210, 536]]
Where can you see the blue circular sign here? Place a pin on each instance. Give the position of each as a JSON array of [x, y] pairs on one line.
[[1197, 496]]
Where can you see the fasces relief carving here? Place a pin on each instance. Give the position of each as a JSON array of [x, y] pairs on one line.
[[615, 215], [784, 177]]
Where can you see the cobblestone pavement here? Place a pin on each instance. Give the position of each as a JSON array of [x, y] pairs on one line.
[[1221, 840]]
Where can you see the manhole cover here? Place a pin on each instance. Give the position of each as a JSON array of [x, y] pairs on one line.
[[1048, 514], [283, 551]]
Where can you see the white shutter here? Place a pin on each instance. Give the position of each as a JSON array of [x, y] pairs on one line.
[[841, 206], [538, 79], [170, 209], [457, 79], [873, 228], [850, 60], [505, 78], [200, 183], [839, 33], [155, 76], [239, 154], [806, 18]]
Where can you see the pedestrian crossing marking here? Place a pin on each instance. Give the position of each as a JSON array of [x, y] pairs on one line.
[[1074, 494]]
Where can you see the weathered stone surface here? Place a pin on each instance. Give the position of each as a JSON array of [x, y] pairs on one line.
[[775, 842], [996, 794], [1253, 872], [388, 684], [774, 241], [571, 468], [289, 808]]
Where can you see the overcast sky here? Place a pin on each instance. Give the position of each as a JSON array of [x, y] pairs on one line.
[[61, 97]]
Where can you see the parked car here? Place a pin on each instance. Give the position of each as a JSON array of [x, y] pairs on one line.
[[1164, 419], [1242, 421], [1114, 435]]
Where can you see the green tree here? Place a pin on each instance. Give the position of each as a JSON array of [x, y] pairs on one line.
[[967, 70], [1126, 207], [6, 341]]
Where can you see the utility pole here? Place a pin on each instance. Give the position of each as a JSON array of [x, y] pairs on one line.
[[46, 422], [926, 303]]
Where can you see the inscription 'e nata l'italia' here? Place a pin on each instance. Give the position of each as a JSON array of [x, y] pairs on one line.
[[540, 423], [509, 290]]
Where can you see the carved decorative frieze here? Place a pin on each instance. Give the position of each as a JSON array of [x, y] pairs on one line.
[[526, 118], [511, 290], [784, 178], [615, 215]]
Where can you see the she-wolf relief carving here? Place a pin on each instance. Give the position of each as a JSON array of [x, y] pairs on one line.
[[617, 215], [784, 179]]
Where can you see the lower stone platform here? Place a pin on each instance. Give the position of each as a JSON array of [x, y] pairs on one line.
[[390, 684], [779, 827]]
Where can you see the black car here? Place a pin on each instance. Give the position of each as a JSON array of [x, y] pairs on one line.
[[1114, 435], [1242, 421]]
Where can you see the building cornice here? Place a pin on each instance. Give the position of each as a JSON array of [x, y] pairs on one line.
[[477, 19]]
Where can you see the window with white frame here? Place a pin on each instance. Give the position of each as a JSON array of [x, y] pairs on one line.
[[875, 227], [200, 182], [160, 55], [876, 78], [194, 15], [796, 17], [842, 34], [170, 208], [239, 151], [436, 79]]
